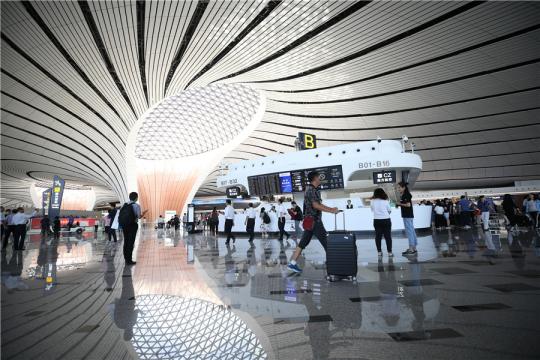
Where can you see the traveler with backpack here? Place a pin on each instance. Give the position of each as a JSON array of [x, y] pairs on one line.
[[282, 212], [250, 221], [229, 222], [297, 216], [265, 221], [214, 221], [130, 213], [313, 224]]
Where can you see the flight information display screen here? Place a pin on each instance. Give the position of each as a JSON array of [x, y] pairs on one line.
[[331, 178], [295, 181]]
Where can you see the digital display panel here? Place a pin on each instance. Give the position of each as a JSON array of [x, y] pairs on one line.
[[285, 183], [331, 178], [295, 181]]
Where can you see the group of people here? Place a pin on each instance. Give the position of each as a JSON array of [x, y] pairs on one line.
[[528, 214], [14, 222], [172, 223]]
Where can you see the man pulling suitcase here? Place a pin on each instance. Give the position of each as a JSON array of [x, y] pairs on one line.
[[313, 225]]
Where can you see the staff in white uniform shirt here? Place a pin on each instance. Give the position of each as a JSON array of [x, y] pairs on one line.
[[10, 228], [19, 220], [229, 222], [381, 220], [282, 212], [250, 221]]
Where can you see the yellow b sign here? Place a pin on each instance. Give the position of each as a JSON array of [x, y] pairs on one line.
[[307, 141]]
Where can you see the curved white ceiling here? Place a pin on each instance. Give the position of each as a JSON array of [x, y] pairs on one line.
[[459, 78], [196, 121]]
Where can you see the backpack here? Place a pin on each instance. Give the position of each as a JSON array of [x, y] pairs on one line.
[[127, 215], [266, 218]]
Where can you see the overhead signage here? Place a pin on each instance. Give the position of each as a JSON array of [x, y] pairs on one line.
[[57, 192], [233, 192], [45, 200], [384, 177], [295, 181], [307, 141]]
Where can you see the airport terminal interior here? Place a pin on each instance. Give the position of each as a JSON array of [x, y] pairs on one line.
[[270, 179]]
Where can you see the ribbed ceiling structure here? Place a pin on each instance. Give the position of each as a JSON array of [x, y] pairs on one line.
[[461, 79]]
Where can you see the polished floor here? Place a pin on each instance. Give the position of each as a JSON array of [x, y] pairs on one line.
[[468, 295]]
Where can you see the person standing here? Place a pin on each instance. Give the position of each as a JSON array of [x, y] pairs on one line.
[[484, 207], [45, 225], [297, 216], [465, 211], [56, 228], [531, 209], [10, 228], [160, 222], [440, 220], [408, 217], [229, 222], [313, 208], [176, 222], [71, 219], [380, 206], [2, 222], [349, 204], [509, 207], [20, 219], [130, 213], [265, 222], [250, 221], [112, 229], [214, 221], [282, 213]]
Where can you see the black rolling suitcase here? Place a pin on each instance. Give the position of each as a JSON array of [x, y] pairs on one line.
[[341, 254]]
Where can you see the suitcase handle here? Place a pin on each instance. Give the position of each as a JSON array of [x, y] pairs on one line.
[[335, 219]]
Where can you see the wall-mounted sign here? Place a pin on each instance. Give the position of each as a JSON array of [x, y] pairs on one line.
[[233, 192], [384, 177], [307, 141]]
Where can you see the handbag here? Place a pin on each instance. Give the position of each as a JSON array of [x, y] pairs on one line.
[[308, 223]]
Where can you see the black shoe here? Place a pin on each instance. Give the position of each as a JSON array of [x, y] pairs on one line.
[[233, 240], [227, 242], [288, 236], [131, 262], [408, 252]]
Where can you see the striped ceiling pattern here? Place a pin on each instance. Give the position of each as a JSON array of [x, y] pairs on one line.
[[461, 79]]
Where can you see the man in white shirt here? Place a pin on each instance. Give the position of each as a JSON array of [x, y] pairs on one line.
[[19, 220], [282, 212], [250, 221], [229, 222], [10, 228]]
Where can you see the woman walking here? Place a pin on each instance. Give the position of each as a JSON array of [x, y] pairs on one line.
[[380, 206], [408, 217]]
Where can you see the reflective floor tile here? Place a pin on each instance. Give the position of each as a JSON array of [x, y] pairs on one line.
[[421, 282], [479, 307], [453, 271], [425, 335], [512, 287], [526, 273]]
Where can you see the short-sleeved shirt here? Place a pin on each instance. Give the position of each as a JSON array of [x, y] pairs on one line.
[[311, 195], [136, 209], [406, 212]]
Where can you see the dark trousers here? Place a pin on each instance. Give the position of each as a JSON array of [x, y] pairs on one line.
[[229, 223], [383, 227], [10, 229], [534, 218], [465, 218], [18, 236], [130, 233], [319, 231], [111, 233], [281, 226], [250, 228]]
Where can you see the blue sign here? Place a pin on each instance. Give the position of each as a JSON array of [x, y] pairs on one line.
[[285, 183], [57, 191]]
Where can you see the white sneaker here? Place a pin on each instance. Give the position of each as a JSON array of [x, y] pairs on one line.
[[380, 254], [390, 255]]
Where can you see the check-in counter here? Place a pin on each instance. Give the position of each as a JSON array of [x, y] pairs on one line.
[[358, 219]]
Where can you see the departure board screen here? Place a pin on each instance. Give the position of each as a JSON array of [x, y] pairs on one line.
[[331, 178], [295, 181]]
